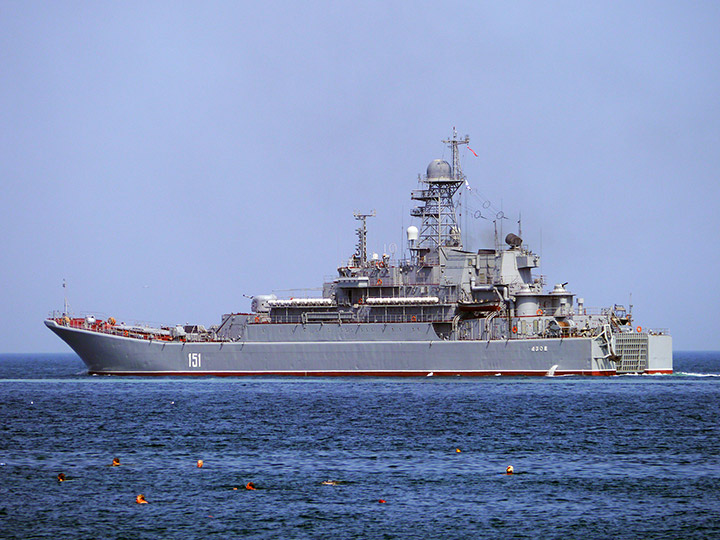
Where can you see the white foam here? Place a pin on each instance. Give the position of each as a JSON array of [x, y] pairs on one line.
[[551, 371]]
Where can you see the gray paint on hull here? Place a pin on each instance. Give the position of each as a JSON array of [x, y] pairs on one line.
[[103, 353]]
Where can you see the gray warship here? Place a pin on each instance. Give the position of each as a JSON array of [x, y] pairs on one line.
[[441, 311]]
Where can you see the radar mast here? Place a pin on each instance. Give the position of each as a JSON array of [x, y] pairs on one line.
[[360, 257], [439, 225]]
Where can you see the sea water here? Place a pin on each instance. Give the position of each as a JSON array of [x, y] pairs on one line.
[[593, 457]]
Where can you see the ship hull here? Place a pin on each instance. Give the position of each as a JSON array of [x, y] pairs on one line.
[[119, 355]]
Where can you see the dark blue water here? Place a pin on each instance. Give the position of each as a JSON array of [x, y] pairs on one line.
[[622, 457]]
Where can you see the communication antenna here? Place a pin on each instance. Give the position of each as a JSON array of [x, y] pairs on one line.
[[361, 252], [497, 244], [520, 225], [65, 303]]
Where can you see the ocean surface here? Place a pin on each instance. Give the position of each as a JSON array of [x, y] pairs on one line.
[[594, 457]]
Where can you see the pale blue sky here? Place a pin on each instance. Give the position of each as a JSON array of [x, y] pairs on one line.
[[167, 158]]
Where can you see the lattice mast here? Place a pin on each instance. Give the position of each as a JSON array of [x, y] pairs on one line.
[[439, 225]]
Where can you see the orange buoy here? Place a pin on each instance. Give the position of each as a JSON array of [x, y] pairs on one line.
[[457, 450], [200, 463], [250, 486], [140, 499], [381, 500]]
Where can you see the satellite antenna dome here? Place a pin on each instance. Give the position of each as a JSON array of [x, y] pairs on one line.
[[513, 240], [412, 233], [439, 168]]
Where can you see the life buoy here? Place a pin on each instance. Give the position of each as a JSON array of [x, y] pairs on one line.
[[257, 319], [539, 312], [379, 281], [514, 329], [639, 329], [126, 333], [413, 318]]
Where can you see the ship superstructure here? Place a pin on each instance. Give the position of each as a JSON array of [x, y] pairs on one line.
[[444, 310]]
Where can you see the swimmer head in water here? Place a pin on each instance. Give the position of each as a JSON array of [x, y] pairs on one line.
[[61, 477], [509, 469], [116, 462]]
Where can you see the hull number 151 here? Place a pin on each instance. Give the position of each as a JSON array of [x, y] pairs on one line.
[[195, 359]]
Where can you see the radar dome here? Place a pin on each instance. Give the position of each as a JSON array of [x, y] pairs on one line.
[[439, 168], [412, 233]]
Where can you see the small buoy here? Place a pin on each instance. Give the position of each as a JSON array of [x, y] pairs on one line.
[[509, 469], [140, 499], [61, 477], [250, 486], [116, 462], [381, 500], [200, 463], [457, 450]]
